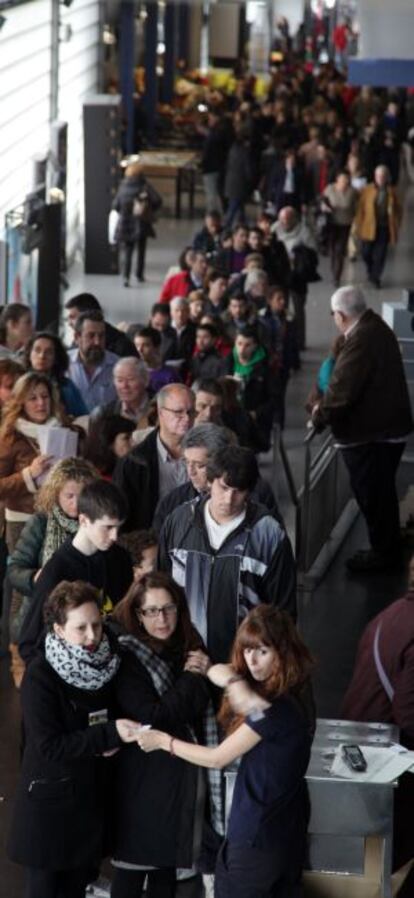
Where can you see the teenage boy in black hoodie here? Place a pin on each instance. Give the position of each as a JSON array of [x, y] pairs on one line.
[[92, 556]]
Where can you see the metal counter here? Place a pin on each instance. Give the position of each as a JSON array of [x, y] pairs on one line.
[[344, 813]]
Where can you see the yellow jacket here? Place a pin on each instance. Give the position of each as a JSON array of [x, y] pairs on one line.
[[365, 218]]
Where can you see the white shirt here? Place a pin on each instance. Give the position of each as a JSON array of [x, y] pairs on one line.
[[172, 472], [218, 533]]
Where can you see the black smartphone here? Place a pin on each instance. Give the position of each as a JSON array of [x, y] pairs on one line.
[[353, 757]]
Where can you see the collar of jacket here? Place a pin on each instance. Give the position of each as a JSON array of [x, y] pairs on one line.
[[254, 512]]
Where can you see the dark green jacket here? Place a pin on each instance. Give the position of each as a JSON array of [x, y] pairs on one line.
[[26, 558]]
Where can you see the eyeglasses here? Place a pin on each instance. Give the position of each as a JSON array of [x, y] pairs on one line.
[[196, 465], [153, 611], [179, 412]]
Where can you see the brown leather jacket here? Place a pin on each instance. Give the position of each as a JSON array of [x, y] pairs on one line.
[[16, 485], [367, 399]]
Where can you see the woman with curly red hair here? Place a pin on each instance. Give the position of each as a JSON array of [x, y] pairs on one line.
[[268, 714]]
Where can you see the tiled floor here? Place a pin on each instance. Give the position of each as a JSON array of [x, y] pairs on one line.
[[333, 618]]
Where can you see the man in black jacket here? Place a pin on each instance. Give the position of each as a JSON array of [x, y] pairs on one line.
[[115, 340], [368, 408], [92, 556], [156, 466], [199, 446], [228, 552]]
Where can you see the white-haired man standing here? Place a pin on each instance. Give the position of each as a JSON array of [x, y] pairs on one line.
[[368, 408]]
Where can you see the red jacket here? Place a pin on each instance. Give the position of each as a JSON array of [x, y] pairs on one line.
[[366, 698], [177, 285]]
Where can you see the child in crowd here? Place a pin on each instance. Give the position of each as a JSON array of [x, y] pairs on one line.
[[91, 556], [142, 546]]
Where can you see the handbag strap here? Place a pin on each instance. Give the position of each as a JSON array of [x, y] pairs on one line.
[[383, 676]]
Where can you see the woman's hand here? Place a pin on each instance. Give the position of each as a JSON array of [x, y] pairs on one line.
[[127, 730], [197, 662], [39, 465], [220, 674], [153, 740]]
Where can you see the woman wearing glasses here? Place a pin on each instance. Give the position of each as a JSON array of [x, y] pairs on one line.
[[163, 683]]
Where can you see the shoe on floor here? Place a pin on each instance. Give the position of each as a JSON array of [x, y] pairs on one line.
[[369, 561], [126, 283]]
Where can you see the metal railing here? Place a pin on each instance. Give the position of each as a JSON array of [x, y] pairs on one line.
[[322, 499]]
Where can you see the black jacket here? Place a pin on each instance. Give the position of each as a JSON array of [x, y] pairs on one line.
[[260, 393], [254, 564], [119, 343], [156, 793], [137, 476], [262, 494], [60, 807], [133, 227], [208, 364], [110, 572]]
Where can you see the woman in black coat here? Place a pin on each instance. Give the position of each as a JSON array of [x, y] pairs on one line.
[[58, 824], [162, 681], [136, 202]]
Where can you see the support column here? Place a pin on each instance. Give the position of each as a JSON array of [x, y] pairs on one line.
[[151, 86], [183, 30], [54, 60], [170, 56], [126, 64]]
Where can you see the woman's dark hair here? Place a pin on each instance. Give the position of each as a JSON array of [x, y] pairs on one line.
[[101, 499], [269, 626], [13, 313], [185, 637], [98, 445], [237, 465], [66, 596], [61, 363]]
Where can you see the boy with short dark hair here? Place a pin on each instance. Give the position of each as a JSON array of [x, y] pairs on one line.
[[92, 556]]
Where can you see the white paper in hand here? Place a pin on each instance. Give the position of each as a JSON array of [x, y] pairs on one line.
[[58, 442]]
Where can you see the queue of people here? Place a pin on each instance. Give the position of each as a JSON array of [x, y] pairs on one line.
[[154, 569]]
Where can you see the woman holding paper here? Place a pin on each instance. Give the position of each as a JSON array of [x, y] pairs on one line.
[[269, 718], [162, 683], [32, 402]]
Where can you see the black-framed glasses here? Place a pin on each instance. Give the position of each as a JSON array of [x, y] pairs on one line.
[[153, 612]]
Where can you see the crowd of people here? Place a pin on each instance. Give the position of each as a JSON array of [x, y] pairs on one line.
[[152, 569]]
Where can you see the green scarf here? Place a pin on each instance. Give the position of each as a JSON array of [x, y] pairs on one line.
[[58, 528], [245, 370]]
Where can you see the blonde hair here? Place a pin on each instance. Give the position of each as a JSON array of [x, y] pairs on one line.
[[77, 469], [13, 408]]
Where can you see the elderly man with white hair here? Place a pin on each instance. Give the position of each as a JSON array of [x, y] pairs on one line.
[[156, 466], [377, 222], [368, 408], [185, 331], [131, 378]]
